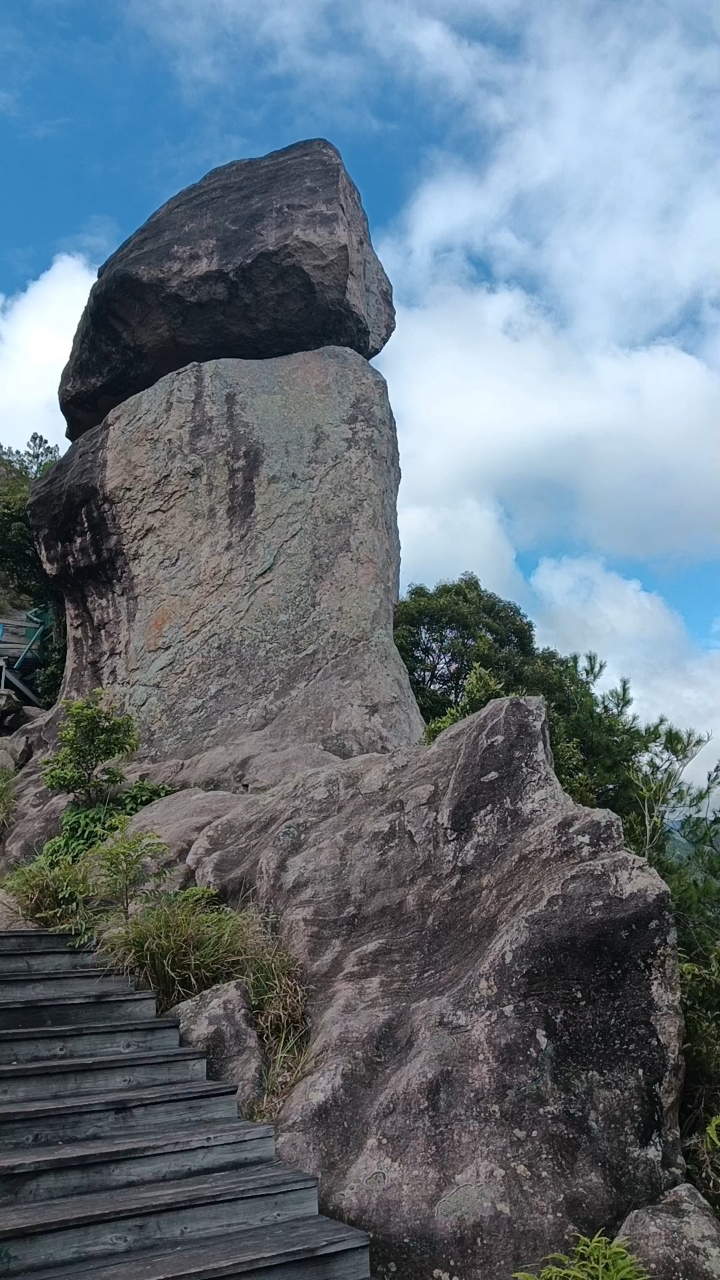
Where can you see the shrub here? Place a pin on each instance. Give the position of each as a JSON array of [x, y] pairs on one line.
[[141, 793], [82, 829], [7, 797], [121, 872], [596, 1259], [183, 943], [53, 892], [94, 734]]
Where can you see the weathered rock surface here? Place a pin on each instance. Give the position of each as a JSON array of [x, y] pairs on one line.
[[495, 1010], [249, 585], [260, 258], [678, 1238], [179, 819], [219, 1022], [12, 714]]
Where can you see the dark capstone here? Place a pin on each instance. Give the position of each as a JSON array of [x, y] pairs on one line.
[[260, 258]]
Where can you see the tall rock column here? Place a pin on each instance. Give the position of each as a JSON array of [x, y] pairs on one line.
[[227, 544]]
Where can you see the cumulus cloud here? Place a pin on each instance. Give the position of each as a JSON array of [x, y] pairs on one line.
[[36, 333], [606, 447], [552, 372], [581, 604]]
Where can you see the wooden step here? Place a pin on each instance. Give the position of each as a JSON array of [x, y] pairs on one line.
[[57, 958], [312, 1248], [53, 1079], [103, 1006], [154, 1214], [117, 1113], [60, 985], [130, 1036], [76, 1168], [33, 940], [118, 1160]]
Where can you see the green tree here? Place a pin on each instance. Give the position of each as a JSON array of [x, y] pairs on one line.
[[442, 634], [463, 646], [20, 565], [93, 735], [23, 580]]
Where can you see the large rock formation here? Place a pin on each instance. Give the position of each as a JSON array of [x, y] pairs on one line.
[[261, 258], [496, 1028], [227, 544], [495, 1050]]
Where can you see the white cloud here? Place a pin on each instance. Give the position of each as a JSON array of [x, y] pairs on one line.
[[579, 144], [580, 604], [441, 542], [36, 333], [608, 448]]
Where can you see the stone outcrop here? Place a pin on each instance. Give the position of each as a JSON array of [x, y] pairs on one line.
[[220, 1023], [676, 1239], [177, 820], [227, 544], [494, 1060], [260, 258]]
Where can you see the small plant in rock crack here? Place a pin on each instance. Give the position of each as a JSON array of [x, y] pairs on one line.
[[93, 736], [122, 872], [591, 1259]]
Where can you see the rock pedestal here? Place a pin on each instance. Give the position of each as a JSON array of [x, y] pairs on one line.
[[227, 544], [495, 1056]]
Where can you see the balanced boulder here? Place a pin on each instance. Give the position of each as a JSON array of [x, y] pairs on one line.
[[260, 258]]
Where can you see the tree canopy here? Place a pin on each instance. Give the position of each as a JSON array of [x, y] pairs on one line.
[[23, 580]]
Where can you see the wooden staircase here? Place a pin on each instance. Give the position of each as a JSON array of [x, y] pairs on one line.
[[119, 1160]]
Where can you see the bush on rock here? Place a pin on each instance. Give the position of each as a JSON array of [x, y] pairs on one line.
[[596, 1259]]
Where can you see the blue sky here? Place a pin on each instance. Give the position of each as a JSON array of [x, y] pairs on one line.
[[541, 184]]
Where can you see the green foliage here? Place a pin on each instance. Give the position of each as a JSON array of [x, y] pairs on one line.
[[80, 830], [102, 884], [464, 646], [93, 734], [138, 794], [7, 797], [85, 887], [53, 891], [121, 872], [23, 580], [49, 677], [442, 634], [596, 1259], [21, 570], [183, 943]]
